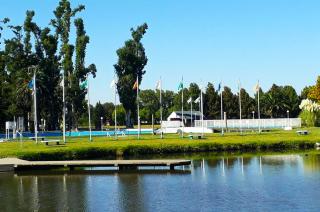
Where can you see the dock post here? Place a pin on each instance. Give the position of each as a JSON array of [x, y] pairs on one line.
[[171, 167]]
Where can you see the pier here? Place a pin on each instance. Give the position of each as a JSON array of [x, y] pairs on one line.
[[14, 164]]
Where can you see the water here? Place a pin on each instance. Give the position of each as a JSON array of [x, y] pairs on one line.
[[258, 183], [84, 133]]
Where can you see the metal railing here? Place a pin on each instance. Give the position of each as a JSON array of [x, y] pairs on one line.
[[250, 123]]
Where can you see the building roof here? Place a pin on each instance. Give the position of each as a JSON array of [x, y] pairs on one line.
[[186, 114]]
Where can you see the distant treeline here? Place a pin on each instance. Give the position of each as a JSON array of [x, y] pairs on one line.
[[274, 103]]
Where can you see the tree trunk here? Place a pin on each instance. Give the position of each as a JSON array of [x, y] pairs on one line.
[[129, 123]]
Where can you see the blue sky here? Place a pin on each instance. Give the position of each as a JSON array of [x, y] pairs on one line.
[[274, 41]]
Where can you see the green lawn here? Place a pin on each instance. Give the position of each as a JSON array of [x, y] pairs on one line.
[[81, 148]]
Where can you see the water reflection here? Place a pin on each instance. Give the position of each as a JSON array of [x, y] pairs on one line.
[[223, 183]]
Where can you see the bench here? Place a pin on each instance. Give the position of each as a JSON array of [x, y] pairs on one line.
[[39, 138], [303, 132], [195, 136], [50, 141]]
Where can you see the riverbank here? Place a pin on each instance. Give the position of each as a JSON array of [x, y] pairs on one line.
[[108, 148]]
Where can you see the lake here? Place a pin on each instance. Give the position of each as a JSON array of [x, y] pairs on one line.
[[284, 182]]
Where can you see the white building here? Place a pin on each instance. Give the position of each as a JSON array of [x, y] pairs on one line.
[[177, 116]]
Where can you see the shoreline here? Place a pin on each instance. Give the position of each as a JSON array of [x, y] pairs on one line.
[[108, 148]]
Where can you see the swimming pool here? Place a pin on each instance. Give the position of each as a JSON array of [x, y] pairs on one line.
[[109, 133], [85, 133]]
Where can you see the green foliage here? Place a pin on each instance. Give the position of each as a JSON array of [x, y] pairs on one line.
[[309, 119], [230, 105], [211, 101], [121, 115], [98, 112], [149, 104], [131, 62], [38, 47], [314, 91]]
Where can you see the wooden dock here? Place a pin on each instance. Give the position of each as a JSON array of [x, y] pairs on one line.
[[14, 164]]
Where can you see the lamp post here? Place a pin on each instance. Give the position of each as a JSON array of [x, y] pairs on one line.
[[42, 124], [101, 118], [253, 114], [288, 117]]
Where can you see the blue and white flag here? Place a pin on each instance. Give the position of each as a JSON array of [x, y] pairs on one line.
[[219, 87], [31, 84]]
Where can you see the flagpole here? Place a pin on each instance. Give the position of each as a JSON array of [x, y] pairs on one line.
[[138, 107], [259, 106], [35, 106], [202, 113], [221, 107], [240, 107], [191, 111], [115, 111], [64, 110], [182, 109], [161, 133], [90, 135]]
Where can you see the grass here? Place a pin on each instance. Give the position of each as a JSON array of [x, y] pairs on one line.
[[103, 147]]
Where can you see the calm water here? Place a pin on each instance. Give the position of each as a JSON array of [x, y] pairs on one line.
[[260, 183]]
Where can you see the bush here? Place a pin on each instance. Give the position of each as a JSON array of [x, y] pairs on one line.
[[309, 119], [310, 113]]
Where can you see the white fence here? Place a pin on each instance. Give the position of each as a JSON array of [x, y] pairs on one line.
[[250, 123], [171, 124]]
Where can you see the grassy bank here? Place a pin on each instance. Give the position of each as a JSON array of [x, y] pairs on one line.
[[102, 147]]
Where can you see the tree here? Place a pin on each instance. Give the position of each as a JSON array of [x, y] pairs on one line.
[[291, 100], [247, 104], [109, 108], [305, 92], [121, 115], [74, 72], [130, 66], [314, 92], [98, 112], [211, 105], [149, 104], [230, 105], [167, 103], [194, 93]]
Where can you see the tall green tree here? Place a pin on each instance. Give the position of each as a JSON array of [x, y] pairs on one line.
[[98, 112], [247, 104], [131, 62], [230, 105], [75, 72], [211, 101]]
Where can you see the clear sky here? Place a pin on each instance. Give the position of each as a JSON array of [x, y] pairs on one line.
[[274, 41]]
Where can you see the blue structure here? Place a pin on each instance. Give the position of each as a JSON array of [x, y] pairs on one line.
[[84, 133]]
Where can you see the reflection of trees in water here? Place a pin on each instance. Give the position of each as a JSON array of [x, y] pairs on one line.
[[51, 193], [131, 197], [311, 163]]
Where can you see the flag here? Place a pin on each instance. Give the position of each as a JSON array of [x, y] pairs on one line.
[[84, 85], [61, 83], [197, 100], [180, 86], [189, 100], [158, 85], [30, 84], [219, 87], [256, 88], [135, 85]]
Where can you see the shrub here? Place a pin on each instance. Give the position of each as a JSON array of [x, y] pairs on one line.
[[310, 113]]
